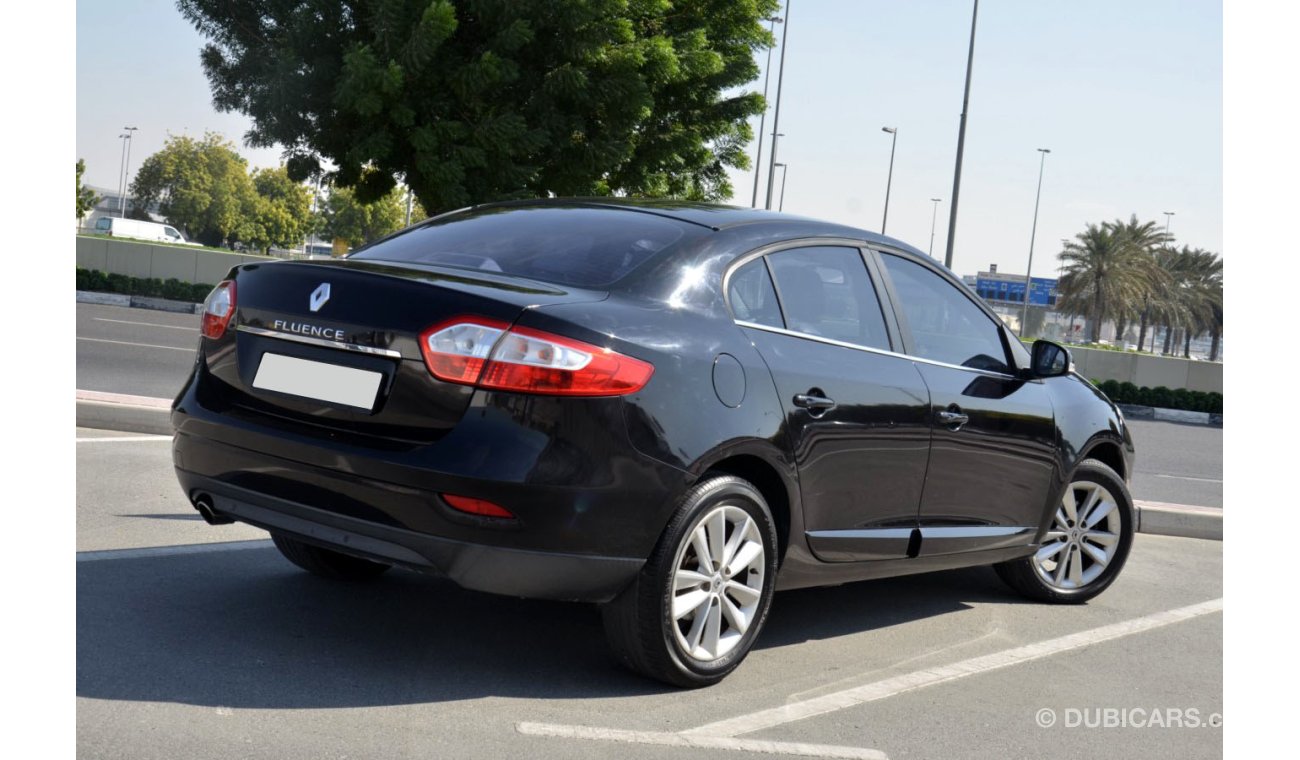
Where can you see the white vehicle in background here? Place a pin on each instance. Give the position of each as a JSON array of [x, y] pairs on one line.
[[138, 230]]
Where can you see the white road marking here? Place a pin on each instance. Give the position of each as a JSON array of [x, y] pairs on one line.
[[889, 687], [103, 397], [146, 324], [667, 739], [129, 343], [125, 439], [173, 551], [1182, 477]]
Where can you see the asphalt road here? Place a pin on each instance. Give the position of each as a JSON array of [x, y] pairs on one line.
[[202, 642], [134, 351]]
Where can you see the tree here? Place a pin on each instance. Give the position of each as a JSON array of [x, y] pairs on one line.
[[475, 100], [202, 186], [1104, 275], [282, 213], [1145, 239], [345, 218], [86, 198]]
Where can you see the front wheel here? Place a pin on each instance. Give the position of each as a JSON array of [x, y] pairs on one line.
[[1086, 545], [697, 606]]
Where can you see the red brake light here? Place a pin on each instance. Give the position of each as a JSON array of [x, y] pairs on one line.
[[218, 309], [479, 507], [474, 351]]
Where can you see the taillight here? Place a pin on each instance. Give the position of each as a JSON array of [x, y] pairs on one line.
[[485, 353], [218, 309], [481, 507]]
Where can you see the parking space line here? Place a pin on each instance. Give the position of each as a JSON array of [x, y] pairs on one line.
[[173, 551], [1182, 477], [146, 324], [667, 739], [129, 343], [125, 438], [828, 703]]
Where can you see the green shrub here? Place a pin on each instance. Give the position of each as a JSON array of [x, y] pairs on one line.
[[95, 280], [1161, 397]]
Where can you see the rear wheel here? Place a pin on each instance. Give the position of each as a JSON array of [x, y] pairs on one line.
[[1086, 545], [326, 563], [696, 608]]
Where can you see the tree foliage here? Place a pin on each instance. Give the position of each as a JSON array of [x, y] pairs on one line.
[[86, 198], [282, 212], [345, 218], [202, 186], [475, 100]]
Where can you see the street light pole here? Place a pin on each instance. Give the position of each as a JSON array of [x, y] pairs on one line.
[[934, 216], [961, 142], [121, 171], [889, 182], [776, 113], [1024, 314], [126, 165], [1168, 216], [762, 121], [781, 205]]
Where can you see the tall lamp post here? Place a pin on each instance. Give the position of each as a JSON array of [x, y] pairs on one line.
[[1024, 314], [776, 112], [961, 142], [781, 206], [762, 120], [934, 216], [1168, 215], [890, 181], [126, 167]]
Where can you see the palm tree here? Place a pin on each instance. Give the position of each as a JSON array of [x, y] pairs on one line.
[[1145, 238], [1189, 300], [1105, 274]]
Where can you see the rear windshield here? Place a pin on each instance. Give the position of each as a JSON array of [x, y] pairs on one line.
[[581, 247]]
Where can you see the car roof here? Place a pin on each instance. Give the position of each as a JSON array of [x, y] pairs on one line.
[[711, 215]]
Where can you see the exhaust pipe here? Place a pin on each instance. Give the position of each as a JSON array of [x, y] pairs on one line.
[[203, 503]]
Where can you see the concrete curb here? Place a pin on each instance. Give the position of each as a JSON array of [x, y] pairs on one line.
[[1184, 520], [1134, 412], [139, 302], [118, 411]]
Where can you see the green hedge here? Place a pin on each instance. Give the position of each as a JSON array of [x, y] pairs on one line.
[[93, 279], [1161, 397]]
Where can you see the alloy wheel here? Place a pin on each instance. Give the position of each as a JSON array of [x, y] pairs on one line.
[[717, 583], [1083, 539]]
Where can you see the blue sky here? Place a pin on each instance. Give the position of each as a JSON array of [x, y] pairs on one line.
[[1128, 95]]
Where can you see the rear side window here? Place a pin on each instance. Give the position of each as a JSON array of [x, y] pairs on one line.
[[752, 297], [582, 247], [826, 291], [946, 326]]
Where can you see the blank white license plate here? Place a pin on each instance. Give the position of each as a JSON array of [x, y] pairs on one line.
[[317, 380]]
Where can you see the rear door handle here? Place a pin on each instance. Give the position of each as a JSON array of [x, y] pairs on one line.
[[809, 401], [953, 419]]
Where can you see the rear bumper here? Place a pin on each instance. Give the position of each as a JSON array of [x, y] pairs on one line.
[[498, 570]]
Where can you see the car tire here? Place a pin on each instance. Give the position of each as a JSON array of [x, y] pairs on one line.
[[326, 563], [685, 620], [1083, 550]]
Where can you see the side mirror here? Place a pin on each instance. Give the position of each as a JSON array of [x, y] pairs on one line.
[[1050, 359]]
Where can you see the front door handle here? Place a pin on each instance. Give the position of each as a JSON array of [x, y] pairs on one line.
[[814, 402], [953, 418]]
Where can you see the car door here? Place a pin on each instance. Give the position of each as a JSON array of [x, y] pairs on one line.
[[992, 451], [856, 415]]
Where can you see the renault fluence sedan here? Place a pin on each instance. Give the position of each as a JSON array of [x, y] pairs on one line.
[[669, 409]]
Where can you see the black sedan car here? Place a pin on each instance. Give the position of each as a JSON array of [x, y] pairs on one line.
[[670, 409]]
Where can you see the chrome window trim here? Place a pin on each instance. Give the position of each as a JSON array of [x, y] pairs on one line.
[[869, 349], [308, 340]]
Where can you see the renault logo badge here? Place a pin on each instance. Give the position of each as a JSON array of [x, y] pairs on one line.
[[319, 296]]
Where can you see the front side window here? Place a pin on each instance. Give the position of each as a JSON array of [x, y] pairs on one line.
[[103, 223], [171, 233], [946, 326], [826, 291]]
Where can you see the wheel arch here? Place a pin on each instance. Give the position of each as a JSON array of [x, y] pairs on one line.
[[771, 475]]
